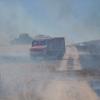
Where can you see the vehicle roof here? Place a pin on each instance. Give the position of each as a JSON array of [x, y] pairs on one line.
[[50, 38]]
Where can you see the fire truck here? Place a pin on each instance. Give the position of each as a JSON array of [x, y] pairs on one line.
[[46, 47]]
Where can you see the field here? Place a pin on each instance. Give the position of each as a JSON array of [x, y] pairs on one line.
[[76, 77]]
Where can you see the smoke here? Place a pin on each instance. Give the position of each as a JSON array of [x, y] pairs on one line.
[[14, 20], [76, 20]]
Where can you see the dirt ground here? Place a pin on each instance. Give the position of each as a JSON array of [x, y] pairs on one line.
[[76, 77]]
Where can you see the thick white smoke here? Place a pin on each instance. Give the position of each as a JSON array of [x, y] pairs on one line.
[[74, 19], [14, 20]]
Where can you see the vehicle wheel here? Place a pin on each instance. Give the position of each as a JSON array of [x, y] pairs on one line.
[[60, 55]]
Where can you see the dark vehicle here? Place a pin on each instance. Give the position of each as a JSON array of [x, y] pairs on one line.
[[45, 47]]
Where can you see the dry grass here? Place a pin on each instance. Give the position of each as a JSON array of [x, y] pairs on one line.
[[23, 77], [46, 66], [51, 67], [14, 49], [23, 96]]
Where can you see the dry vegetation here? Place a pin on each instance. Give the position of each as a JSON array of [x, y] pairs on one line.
[[17, 75], [24, 79], [23, 96], [50, 66], [29, 80], [19, 82], [10, 49]]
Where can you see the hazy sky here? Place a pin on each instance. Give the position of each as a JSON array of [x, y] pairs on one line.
[[76, 20]]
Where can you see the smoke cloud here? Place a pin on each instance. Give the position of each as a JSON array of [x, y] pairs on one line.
[[74, 19], [14, 20]]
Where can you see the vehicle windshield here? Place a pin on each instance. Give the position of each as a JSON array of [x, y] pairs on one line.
[[39, 43]]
